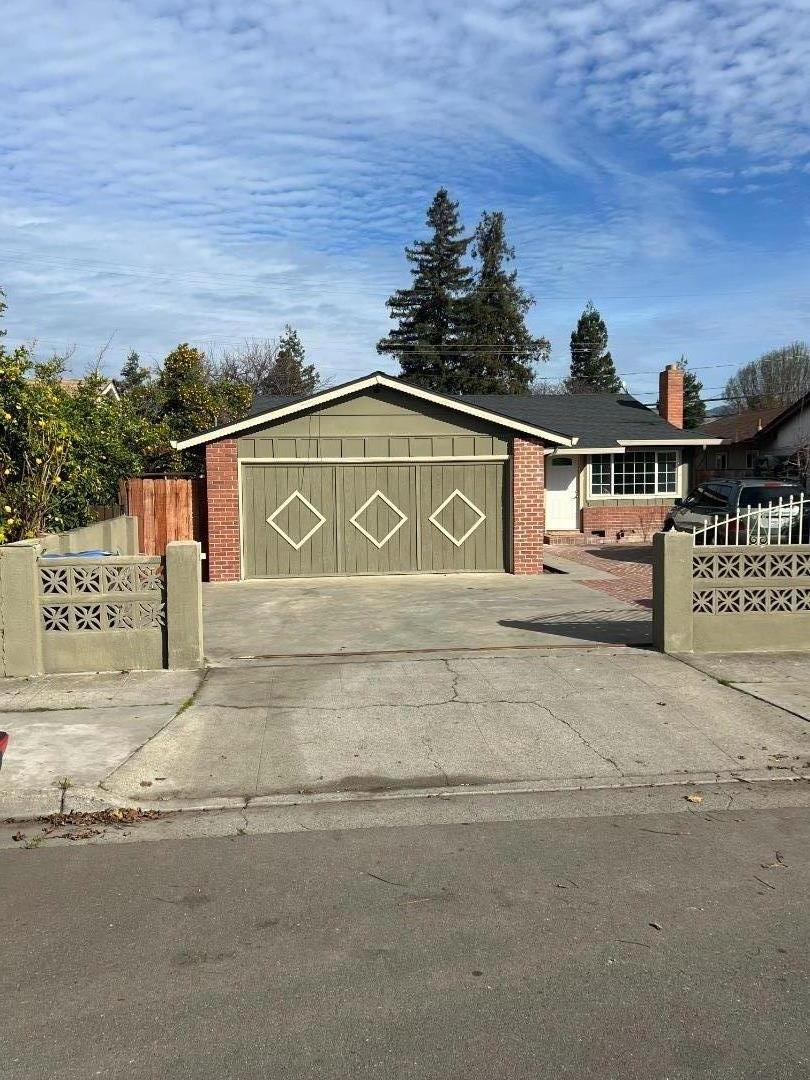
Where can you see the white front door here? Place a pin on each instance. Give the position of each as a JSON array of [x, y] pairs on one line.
[[561, 493]]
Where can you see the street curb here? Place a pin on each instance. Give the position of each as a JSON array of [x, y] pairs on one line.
[[79, 799]]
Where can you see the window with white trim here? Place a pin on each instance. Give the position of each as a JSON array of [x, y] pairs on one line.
[[637, 472]]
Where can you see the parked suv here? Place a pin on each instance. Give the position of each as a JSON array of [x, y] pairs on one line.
[[724, 498]]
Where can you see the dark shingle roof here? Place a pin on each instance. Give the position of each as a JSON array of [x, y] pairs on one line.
[[598, 419]]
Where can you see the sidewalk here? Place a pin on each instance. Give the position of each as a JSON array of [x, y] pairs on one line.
[[338, 728], [80, 727]]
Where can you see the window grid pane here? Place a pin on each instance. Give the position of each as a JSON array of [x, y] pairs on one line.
[[638, 472], [600, 474]]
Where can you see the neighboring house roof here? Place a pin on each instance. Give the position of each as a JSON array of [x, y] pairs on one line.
[[585, 421], [741, 426], [108, 390], [782, 415], [269, 409]]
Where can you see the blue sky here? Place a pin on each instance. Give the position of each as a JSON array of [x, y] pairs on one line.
[[208, 171]]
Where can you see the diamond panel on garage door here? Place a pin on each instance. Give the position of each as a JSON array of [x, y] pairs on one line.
[[401, 519], [479, 519], [318, 516]]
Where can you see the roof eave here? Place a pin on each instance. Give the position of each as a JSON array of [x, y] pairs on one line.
[[703, 440], [366, 383]]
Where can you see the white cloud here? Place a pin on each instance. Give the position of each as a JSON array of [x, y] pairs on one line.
[[189, 168]]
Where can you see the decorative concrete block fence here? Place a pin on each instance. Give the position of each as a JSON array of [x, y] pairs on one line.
[[729, 597], [116, 612]]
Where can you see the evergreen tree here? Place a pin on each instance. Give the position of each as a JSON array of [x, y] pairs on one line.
[[431, 314], [592, 368], [133, 376], [694, 407], [502, 351], [290, 375]]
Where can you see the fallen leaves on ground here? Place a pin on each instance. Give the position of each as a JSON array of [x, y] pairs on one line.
[[85, 824]]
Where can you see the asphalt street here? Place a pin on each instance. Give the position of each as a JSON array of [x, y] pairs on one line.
[[642, 946]]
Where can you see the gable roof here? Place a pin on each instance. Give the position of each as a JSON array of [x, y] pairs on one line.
[[785, 414], [269, 409], [72, 387], [598, 421], [742, 426]]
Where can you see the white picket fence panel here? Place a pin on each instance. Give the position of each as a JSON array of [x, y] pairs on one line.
[[782, 523]]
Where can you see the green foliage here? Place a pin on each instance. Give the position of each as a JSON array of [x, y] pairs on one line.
[[592, 368], [271, 368], [189, 400], [133, 377], [502, 351], [694, 407], [431, 315], [775, 380], [291, 375], [61, 452]]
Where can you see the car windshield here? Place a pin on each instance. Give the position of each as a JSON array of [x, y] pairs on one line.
[[767, 494]]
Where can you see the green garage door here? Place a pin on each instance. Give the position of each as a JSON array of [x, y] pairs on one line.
[[311, 520]]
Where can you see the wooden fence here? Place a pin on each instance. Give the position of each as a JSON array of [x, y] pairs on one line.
[[167, 508]]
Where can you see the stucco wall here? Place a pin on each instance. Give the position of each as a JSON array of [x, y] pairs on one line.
[[118, 535]]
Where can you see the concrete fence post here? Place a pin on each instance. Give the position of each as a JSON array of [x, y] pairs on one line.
[[672, 591], [20, 630], [184, 625]]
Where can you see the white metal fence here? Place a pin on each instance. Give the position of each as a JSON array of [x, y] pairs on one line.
[[781, 523]]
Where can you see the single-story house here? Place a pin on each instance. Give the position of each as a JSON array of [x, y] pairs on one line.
[[738, 452], [378, 476], [107, 390], [759, 442]]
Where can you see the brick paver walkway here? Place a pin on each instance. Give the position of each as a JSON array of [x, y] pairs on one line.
[[630, 568]]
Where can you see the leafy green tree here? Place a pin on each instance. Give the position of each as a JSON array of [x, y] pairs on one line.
[[592, 368], [431, 315], [188, 400], [134, 376], [61, 452], [502, 353], [775, 380], [694, 407]]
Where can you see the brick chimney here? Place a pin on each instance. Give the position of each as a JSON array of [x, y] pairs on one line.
[[670, 395]]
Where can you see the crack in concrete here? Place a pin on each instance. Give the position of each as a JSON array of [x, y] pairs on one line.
[[580, 736]]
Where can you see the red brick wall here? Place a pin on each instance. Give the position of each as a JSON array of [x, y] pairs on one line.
[[222, 485], [638, 522], [528, 507]]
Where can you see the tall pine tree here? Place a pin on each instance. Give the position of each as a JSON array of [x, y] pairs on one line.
[[694, 407], [133, 375], [432, 314], [592, 368], [502, 351], [291, 376]]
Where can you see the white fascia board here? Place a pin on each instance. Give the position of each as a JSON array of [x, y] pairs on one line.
[[583, 451], [359, 385], [669, 442]]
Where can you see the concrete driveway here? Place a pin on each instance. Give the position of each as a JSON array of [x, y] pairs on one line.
[[307, 617], [571, 716]]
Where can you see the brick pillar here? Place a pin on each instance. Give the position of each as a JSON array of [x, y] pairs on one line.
[[670, 395], [528, 506], [222, 491]]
